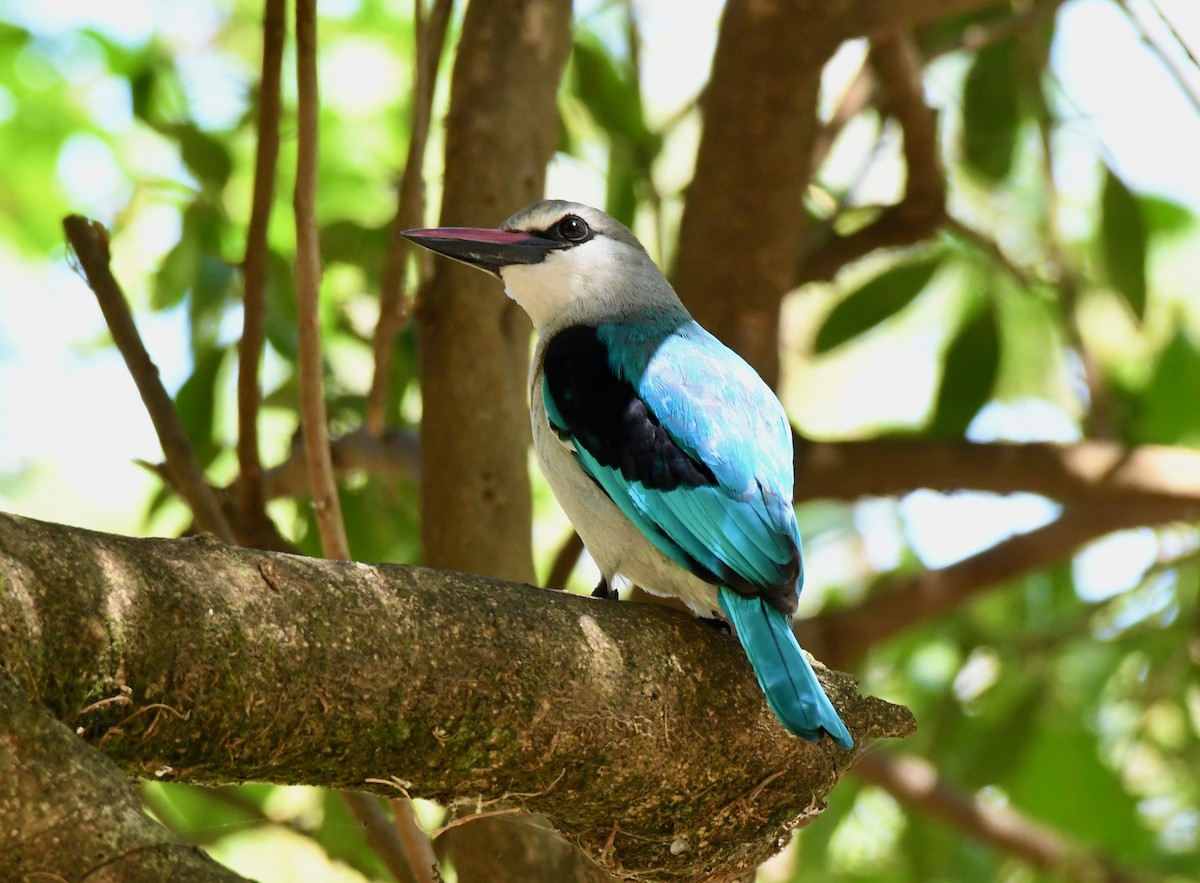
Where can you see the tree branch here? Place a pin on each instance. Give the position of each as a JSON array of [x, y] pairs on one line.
[[382, 837], [314, 420], [70, 814], [742, 218], [916, 783], [565, 560], [476, 508], [1179, 74], [871, 18], [393, 456], [89, 242], [1098, 472], [221, 663], [896, 60], [395, 311], [843, 636], [1093, 472], [251, 501]]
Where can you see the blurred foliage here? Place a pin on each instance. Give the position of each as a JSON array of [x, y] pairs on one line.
[[1076, 706]]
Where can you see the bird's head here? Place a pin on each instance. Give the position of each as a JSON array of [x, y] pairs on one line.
[[561, 261]]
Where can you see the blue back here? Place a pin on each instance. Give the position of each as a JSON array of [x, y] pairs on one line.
[[688, 442]]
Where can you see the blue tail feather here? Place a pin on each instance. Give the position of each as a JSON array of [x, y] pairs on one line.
[[783, 671]]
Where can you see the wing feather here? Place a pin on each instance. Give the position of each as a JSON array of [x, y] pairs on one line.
[[688, 442]]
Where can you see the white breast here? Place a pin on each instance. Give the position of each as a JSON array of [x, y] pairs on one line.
[[615, 544]]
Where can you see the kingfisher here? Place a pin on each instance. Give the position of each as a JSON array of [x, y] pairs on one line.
[[668, 453]]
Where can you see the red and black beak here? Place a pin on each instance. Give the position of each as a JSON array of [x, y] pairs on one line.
[[488, 249]]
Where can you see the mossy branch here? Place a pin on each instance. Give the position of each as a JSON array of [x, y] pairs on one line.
[[201, 662]]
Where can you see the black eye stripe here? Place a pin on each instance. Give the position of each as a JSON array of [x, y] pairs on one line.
[[570, 229]]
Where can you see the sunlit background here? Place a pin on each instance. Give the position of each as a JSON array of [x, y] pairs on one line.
[[72, 427]]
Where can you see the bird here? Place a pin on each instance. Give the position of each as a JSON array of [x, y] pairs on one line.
[[669, 454]]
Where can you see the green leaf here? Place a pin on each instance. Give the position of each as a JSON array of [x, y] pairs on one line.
[[206, 157], [876, 300], [175, 274], [350, 242], [968, 374], [192, 262], [282, 315], [341, 835], [199, 813], [1167, 410], [991, 111], [1065, 752], [196, 404], [621, 193], [1123, 236], [609, 92], [1164, 215]]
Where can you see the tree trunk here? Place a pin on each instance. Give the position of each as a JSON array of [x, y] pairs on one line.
[[475, 342]]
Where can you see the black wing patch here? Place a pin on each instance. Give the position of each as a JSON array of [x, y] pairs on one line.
[[605, 414]]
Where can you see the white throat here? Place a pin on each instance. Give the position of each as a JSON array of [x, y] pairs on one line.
[[600, 280]]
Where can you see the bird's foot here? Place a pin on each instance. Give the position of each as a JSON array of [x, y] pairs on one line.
[[604, 590]]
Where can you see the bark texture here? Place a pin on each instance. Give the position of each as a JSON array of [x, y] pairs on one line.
[[68, 814], [638, 731], [500, 134], [744, 215]]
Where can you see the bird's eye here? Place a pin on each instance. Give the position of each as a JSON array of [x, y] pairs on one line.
[[573, 228]]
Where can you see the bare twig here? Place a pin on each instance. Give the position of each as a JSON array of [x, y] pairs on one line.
[[254, 269], [916, 784], [1173, 67], [857, 98], [896, 61], [983, 34], [394, 455], [308, 283], [89, 242], [1087, 472], [395, 310], [564, 562], [389, 844], [991, 248]]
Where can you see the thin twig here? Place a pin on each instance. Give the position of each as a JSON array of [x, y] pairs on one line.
[[395, 309], [254, 269], [1173, 67], [406, 861], [897, 64], [564, 562], [1098, 418], [857, 98], [313, 417], [979, 36], [991, 248], [89, 242]]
